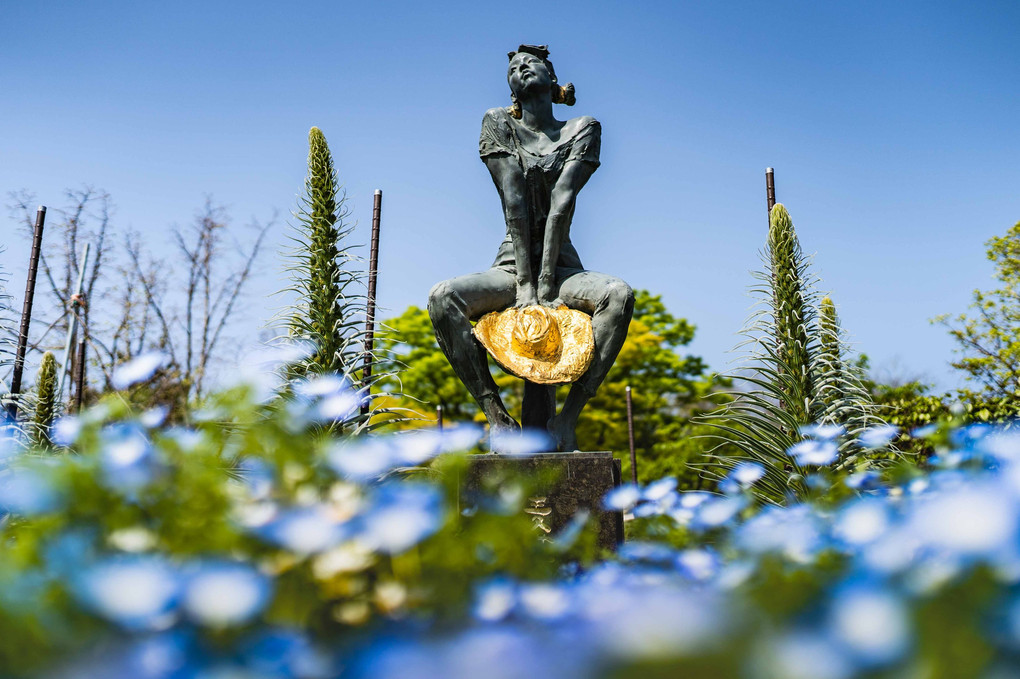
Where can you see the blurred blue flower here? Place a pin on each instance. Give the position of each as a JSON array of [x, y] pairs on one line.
[[805, 655], [305, 530], [544, 601], [825, 432], [878, 437], [524, 442], [871, 623], [224, 593], [494, 599], [566, 536], [138, 369], [646, 550], [154, 417], [362, 459], [65, 430], [257, 476], [979, 519], [622, 498], [656, 490], [863, 480], [127, 457], [400, 516], [814, 453], [135, 592], [698, 564], [718, 511], [927, 431], [286, 653], [28, 491], [861, 522], [742, 477]]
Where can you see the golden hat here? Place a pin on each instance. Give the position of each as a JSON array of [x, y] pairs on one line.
[[538, 344]]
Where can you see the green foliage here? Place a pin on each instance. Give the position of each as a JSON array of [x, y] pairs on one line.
[[45, 400], [329, 299], [989, 341], [668, 388], [795, 371]]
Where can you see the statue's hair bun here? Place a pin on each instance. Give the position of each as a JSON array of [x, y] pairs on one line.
[[564, 94]]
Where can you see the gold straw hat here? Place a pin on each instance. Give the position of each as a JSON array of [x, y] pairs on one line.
[[541, 345]]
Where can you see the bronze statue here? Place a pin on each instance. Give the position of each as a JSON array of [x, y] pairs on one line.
[[539, 164]]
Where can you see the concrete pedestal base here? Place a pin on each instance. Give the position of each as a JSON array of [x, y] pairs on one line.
[[582, 480]]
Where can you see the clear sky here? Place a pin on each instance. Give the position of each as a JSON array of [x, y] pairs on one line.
[[894, 128]]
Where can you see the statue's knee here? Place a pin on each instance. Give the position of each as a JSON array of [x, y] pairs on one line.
[[619, 298], [440, 298]]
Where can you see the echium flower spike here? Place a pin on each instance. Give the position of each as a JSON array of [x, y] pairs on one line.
[[46, 401], [791, 313], [830, 358]]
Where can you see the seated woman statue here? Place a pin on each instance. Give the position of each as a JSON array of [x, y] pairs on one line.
[[539, 164]]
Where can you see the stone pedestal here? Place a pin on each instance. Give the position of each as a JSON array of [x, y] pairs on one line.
[[581, 481]]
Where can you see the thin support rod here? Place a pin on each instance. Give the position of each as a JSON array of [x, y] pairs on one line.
[[630, 437], [439, 417], [770, 188], [373, 274], [79, 377], [72, 323], [26, 309]]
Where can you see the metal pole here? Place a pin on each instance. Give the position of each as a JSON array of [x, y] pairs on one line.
[[630, 437], [439, 417], [72, 324], [79, 377], [770, 188], [26, 310], [373, 272]]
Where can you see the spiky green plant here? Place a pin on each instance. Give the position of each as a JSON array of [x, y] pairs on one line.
[[330, 304], [45, 401], [794, 369]]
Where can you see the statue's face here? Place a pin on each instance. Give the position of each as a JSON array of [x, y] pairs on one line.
[[528, 73]]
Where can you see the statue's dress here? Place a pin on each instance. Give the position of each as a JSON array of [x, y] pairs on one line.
[[607, 299]]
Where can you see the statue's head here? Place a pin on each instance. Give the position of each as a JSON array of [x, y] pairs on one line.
[[531, 71]]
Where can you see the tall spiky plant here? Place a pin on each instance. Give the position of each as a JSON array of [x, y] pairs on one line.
[[843, 398], [329, 299], [45, 401], [794, 369]]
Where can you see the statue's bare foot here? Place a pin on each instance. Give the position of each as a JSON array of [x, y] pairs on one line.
[[562, 432], [500, 421]]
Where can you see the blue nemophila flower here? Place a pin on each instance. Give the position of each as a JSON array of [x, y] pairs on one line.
[[494, 599], [138, 369], [257, 476], [805, 655], [362, 459], [698, 564], [742, 477], [154, 417], [824, 432], [127, 457], [792, 531], [622, 498], [524, 442], [978, 519], [566, 536], [136, 592], [65, 430], [927, 431], [286, 653], [225, 593], [400, 516], [861, 522], [878, 437], [305, 530], [863, 480], [870, 622], [645, 550], [28, 491], [814, 453], [718, 511], [657, 490], [544, 601], [10, 449]]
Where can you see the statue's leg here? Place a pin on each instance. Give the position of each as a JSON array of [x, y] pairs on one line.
[[610, 302], [453, 304], [538, 406]]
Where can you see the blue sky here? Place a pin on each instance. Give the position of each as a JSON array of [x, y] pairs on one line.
[[893, 128]]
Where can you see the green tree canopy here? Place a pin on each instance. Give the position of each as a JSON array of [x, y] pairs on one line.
[[667, 387], [989, 340]]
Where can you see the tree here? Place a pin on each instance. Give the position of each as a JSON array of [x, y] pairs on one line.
[[668, 388], [989, 340], [133, 303], [329, 303]]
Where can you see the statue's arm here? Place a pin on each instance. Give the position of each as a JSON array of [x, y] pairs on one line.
[[561, 211], [509, 180]]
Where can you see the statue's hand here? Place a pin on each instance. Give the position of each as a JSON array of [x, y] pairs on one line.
[[547, 295], [526, 296]]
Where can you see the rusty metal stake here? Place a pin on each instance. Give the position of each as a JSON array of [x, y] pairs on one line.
[[79, 378], [26, 310], [439, 417], [630, 437], [72, 322], [770, 188], [373, 272]]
